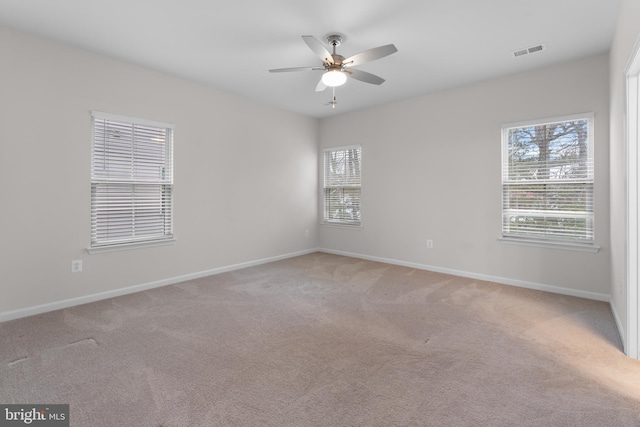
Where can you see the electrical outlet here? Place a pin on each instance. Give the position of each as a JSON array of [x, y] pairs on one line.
[[306, 233], [430, 244], [76, 266]]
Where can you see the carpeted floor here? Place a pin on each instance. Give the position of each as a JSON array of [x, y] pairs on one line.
[[324, 340]]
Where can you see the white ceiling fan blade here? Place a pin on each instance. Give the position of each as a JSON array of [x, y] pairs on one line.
[[363, 76], [321, 86], [317, 48], [370, 55], [286, 70]]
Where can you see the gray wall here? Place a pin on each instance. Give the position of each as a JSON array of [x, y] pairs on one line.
[[432, 170], [245, 180]]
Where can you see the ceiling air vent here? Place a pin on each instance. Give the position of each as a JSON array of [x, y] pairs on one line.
[[528, 50]]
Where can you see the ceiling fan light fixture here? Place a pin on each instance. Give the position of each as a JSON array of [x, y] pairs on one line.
[[333, 78]]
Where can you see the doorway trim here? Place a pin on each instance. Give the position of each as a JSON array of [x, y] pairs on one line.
[[632, 138]]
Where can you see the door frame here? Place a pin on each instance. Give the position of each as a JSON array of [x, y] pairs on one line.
[[632, 138]]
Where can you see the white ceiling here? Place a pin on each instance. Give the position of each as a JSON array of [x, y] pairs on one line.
[[230, 45]]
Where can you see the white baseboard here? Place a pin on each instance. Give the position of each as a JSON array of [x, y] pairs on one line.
[[502, 280], [57, 305]]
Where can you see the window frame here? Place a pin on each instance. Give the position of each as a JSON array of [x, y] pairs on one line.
[[162, 185], [547, 240], [325, 187]]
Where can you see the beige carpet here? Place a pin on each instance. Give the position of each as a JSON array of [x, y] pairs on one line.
[[323, 340]]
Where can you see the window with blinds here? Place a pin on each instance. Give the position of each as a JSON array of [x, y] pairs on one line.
[[342, 185], [131, 181], [547, 180]]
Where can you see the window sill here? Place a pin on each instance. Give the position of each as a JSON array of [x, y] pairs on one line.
[[342, 225], [127, 246], [551, 244]]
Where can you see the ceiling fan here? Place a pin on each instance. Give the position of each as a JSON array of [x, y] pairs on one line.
[[336, 67]]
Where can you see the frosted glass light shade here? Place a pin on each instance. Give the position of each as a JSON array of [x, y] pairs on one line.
[[334, 78]]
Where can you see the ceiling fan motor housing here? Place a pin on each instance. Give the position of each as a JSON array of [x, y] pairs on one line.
[[337, 62]]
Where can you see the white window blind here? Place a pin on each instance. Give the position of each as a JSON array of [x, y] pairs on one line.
[[131, 181], [342, 185], [547, 180]]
